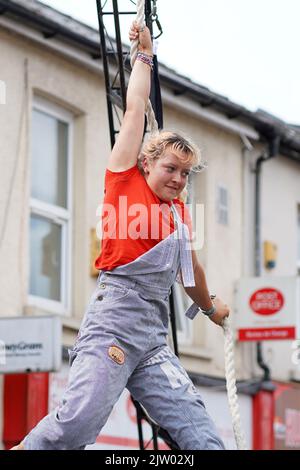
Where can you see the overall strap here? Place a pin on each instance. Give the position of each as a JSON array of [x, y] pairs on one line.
[[185, 250]]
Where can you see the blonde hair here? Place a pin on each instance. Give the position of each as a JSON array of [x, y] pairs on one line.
[[183, 148]]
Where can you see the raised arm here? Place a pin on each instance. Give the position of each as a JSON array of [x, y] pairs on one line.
[[128, 144]]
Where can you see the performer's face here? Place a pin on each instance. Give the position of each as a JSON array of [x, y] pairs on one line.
[[167, 176]]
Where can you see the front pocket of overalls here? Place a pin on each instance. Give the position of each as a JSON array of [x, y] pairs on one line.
[[108, 295]]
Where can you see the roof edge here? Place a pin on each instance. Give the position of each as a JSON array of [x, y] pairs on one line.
[[52, 23]]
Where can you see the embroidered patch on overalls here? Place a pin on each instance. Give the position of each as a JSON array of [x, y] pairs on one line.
[[116, 354]]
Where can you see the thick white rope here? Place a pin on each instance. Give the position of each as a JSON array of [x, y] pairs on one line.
[[152, 123], [228, 339], [231, 386]]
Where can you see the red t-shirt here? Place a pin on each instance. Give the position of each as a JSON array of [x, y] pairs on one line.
[[133, 218]]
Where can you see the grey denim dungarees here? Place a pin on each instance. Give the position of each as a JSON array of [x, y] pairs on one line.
[[122, 343]]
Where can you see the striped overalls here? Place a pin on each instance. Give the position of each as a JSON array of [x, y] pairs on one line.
[[122, 343]]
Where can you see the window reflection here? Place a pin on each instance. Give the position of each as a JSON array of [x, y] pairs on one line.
[[49, 159], [45, 267]]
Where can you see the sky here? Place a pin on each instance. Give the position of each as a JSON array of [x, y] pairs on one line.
[[246, 50]]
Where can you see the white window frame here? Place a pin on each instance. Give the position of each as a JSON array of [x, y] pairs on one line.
[[222, 207], [184, 336], [58, 215], [298, 238]]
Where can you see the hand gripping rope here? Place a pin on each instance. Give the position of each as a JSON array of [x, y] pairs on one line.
[[228, 337], [133, 53]]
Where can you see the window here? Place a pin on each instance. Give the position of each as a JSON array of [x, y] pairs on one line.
[[222, 205], [50, 208], [183, 325], [190, 194], [2, 92]]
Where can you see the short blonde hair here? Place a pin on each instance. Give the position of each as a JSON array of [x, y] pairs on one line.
[[182, 147]]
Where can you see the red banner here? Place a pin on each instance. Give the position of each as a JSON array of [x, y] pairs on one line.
[[263, 334]]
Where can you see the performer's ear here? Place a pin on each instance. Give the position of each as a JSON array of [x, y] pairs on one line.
[[145, 166]]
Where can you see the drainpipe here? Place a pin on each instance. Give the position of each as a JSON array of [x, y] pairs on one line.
[[272, 151]]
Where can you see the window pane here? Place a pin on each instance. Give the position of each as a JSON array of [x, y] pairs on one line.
[[190, 200], [49, 159], [299, 234], [181, 304], [223, 197], [222, 205], [45, 258]]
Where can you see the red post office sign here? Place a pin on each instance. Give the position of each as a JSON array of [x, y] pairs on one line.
[[267, 308], [266, 301]]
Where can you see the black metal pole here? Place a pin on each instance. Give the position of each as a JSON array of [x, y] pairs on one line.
[[154, 434], [173, 322], [139, 415], [106, 72], [148, 10], [120, 53]]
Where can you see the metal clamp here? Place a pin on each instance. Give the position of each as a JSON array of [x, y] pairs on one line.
[[154, 17]]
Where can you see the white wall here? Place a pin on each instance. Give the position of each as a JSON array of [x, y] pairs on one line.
[[280, 200]]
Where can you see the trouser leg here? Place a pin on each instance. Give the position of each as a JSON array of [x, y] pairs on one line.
[[163, 387], [95, 384]]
